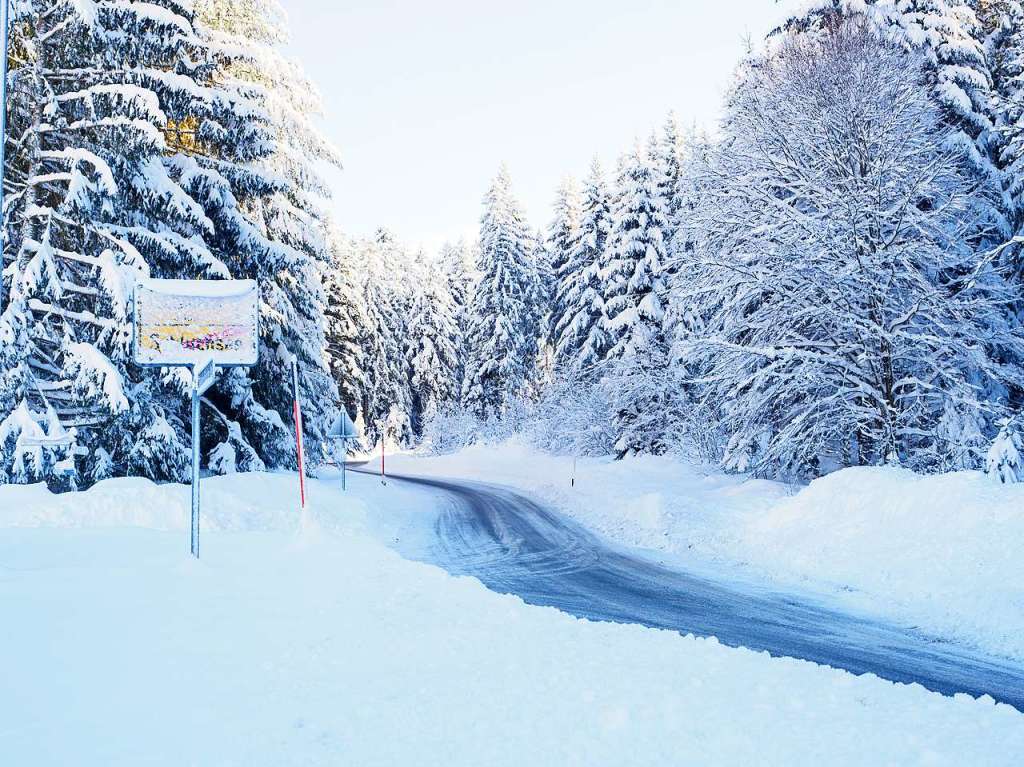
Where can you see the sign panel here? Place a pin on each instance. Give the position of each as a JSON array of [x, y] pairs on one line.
[[343, 428], [183, 322], [204, 375]]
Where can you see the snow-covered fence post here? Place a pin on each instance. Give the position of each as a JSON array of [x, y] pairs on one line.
[[202, 325]]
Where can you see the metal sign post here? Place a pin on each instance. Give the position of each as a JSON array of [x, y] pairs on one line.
[[204, 374], [342, 431], [203, 325]]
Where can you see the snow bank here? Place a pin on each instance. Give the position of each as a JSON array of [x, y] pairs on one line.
[[944, 551], [941, 553], [330, 649]]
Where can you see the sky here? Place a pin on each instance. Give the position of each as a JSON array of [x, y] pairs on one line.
[[425, 100]]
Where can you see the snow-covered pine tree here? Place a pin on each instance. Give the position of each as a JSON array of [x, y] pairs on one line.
[[581, 340], [345, 318], [1004, 22], [502, 329], [835, 237], [432, 348], [672, 160], [277, 231], [1005, 459], [93, 203], [542, 293], [634, 313], [387, 406], [561, 235], [458, 262]]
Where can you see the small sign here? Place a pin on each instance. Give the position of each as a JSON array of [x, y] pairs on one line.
[[184, 322], [204, 374], [343, 428]]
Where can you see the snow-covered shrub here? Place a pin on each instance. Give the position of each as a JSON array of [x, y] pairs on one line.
[[572, 417], [1005, 459], [449, 430]]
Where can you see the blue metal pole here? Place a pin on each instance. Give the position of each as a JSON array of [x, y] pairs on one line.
[[195, 469]]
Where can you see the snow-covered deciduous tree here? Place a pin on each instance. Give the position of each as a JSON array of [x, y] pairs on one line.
[[846, 311], [503, 324], [581, 339], [957, 72]]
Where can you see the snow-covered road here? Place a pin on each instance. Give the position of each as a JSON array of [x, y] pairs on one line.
[[515, 545]]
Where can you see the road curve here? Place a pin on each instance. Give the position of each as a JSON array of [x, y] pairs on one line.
[[514, 545]]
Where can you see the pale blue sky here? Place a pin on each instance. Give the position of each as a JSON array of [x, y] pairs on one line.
[[426, 99]]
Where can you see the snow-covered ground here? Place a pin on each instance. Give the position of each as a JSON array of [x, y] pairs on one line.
[[942, 553], [322, 646]]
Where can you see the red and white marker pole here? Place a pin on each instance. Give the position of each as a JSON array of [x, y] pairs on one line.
[[298, 431]]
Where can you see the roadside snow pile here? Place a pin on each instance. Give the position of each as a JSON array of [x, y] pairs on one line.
[[942, 553], [330, 649], [944, 550]]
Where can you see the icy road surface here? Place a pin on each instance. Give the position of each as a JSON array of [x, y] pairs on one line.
[[514, 545]]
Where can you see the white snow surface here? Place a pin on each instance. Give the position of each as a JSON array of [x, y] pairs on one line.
[[938, 553], [320, 646]]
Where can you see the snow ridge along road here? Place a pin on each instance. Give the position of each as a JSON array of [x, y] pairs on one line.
[[516, 546]]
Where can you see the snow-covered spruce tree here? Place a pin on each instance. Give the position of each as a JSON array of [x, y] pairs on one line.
[[274, 227], [633, 312], [1005, 459], [503, 328], [835, 240], [1005, 50], [561, 236], [581, 340], [671, 156], [458, 262], [93, 203], [541, 296], [345, 319], [432, 348], [387, 407]]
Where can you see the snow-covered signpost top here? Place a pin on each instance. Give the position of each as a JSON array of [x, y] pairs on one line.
[[200, 324]]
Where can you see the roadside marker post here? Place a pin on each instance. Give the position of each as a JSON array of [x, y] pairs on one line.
[[297, 412]]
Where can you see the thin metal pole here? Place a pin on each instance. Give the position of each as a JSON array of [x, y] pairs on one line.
[[298, 432], [6, 9], [344, 462], [195, 467]]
